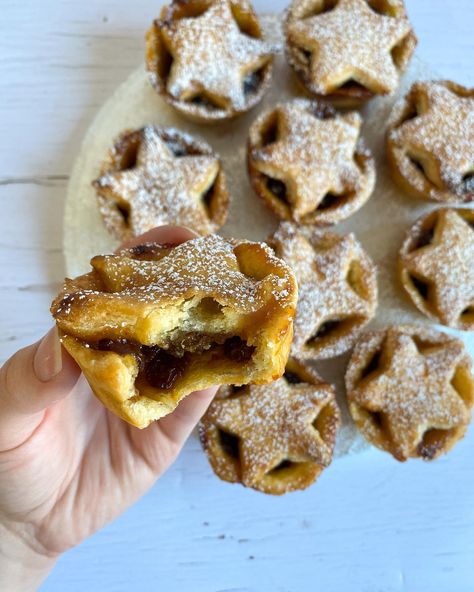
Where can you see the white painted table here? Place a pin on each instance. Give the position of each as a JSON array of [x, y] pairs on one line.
[[370, 524]]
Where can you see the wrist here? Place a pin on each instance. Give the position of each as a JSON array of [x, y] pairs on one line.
[[22, 568]]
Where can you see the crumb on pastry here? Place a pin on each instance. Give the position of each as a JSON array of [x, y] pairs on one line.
[[153, 323]]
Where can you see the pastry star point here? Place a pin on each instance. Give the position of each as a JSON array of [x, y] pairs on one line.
[[314, 155], [413, 391], [447, 263], [331, 310], [161, 188], [366, 58], [214, 33], [443, 130], [274, 423]]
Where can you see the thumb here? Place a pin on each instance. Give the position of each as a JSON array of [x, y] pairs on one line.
[[180, 423], [162, 440], [32, 380]]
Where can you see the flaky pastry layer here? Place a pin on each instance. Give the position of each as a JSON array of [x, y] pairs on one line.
[[153, 323]]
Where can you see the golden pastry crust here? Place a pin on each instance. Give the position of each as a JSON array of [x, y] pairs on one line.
[[337, 286], [155, 176], [207, 58], [348, 51], [437, 266], [274, 438], [308, 163], [430, 142], [410, 391], [153, 323]]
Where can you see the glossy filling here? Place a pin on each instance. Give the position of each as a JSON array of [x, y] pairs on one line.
[[468, 183], [179, 148], [425, 238], [352, 88], [162, 368], [229, 444], [278, 189], [292, 378], [420, 286], [202, 100], [252, 82], [330, 200], [373, 365]]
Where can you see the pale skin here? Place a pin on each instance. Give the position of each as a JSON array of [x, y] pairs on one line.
[[67, 465]]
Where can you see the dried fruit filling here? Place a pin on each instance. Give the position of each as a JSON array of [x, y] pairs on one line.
[[160, 368]]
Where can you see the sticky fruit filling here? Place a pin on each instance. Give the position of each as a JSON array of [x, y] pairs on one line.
[[162, 367]]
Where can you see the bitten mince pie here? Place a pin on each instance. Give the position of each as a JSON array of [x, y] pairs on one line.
[[410, 391], [430, 142], [276, 437], [153, 323], [337, 289], [207, 58], [349, 50], [308, 163], [155, 176], [437, 266]]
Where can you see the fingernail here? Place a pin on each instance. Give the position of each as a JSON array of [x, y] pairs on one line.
[[48, 361], [190, 230]]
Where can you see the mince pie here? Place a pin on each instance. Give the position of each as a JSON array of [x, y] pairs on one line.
[[276, 437], [153, 323], [337, 289], [430, 142], [207, 58], [155, 176], [437, 266], [410, 391], [349, 50], [308, 163]]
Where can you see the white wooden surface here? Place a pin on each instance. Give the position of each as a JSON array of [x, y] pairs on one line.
[[370, 524]]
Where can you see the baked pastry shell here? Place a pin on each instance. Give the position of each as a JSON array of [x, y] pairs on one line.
[[157, 61], [422, 227], [351, 95], [297, 477], [407, 176], [114, 378], [440, 441], [122, 156], [362, 279], [323, 217]]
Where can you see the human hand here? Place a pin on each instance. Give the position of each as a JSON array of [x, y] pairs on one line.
[[67, 465]]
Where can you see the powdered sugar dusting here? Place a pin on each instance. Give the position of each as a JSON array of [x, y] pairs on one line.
[[447, 264], [161, 188], [351, 41], [206, 266], [411, 387], [274, 423], [135, 103], [212, 56], [434, 126], [321, 262], [314, 155]]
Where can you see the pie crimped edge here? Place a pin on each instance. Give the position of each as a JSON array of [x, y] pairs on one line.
[[123, 151], [263, 321], [228, 466]]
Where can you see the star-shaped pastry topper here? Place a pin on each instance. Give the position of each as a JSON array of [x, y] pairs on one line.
[[162, 188], [337, 289], [212, 57], [350, 42], [441, 137], [274, 424], [132, 291], [313, 156], [446, 264], [412, 391]]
